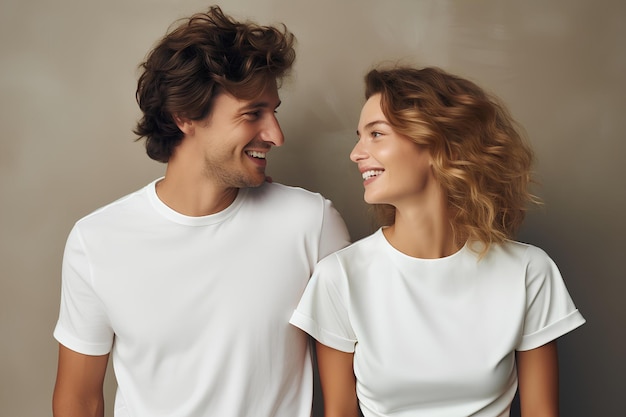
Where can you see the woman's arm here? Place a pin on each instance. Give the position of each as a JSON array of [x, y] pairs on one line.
[[538, 373], [78, 391], [338, 382]]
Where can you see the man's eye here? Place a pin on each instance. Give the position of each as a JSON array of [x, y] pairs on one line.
[[253, 115]]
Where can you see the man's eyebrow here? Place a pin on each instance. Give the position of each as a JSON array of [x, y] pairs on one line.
[[259, 105], [372, 124]]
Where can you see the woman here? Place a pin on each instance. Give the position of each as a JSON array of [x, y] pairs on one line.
[[439, 312]]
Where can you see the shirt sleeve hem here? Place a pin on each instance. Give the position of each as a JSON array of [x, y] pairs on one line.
[[324, 337], [71, 342], [552, 332]]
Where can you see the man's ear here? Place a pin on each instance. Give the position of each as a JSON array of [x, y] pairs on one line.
[[184, 124]]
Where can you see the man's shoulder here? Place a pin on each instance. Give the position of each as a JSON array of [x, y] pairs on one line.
[[286, 192], [120, 207], [287, 204]]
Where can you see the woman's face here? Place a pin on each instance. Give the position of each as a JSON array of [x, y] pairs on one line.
[[394, 168]]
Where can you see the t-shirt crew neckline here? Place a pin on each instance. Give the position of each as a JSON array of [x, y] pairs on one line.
[[404, 259], [176, 217]]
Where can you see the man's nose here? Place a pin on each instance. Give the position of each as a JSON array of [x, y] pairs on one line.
[[272, 132]]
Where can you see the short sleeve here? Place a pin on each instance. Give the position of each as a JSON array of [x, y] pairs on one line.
[[334, 234], [550, 311], [323, 309], [83, 325]]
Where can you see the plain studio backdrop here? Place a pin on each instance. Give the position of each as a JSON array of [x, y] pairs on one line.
[[68, 73]]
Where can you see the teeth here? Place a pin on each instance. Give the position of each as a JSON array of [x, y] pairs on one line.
[[255, 154], [371, 173]]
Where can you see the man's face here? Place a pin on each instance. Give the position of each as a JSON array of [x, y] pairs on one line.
[[236, 137]]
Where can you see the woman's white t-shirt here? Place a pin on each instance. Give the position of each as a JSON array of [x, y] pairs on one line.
[[436, 337]]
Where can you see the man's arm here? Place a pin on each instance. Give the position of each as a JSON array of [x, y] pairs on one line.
[[338, 382], [538, 373], [334, 234], [78, 391]]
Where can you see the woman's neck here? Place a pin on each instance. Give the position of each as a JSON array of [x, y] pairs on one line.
[[423, 234]]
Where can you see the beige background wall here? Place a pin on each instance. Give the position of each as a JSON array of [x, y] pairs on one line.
[[67, 82]]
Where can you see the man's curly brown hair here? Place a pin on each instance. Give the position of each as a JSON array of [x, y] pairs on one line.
[[204, 55]]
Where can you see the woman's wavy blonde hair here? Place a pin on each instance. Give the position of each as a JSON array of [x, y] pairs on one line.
[[479, 155]]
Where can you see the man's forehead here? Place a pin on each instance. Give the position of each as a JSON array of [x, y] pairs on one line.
[[268, 98]]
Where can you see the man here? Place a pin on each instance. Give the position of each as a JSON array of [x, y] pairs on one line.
[[189, 283]]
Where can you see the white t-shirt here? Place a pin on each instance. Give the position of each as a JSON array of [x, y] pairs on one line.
[[196, 309], [435, 337]]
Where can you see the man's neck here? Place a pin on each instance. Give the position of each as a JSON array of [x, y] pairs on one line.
[[194, 196]]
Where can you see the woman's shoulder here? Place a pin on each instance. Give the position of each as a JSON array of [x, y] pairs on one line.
[[519, 252], [365, 246], [354, 258]]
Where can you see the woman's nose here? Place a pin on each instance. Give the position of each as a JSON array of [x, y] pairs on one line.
[[358, 152]]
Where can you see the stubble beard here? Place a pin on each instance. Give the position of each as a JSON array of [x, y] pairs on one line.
[[234, 178]]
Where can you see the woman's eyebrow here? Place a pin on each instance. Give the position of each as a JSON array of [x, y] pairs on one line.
[[372, 124]]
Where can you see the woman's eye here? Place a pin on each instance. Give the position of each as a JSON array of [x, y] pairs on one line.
[[376, 134]]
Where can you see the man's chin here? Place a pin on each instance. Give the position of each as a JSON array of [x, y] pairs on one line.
[[257, 182]]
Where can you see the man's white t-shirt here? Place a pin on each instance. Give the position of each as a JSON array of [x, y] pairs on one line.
[[436, 337], [195, 309]]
